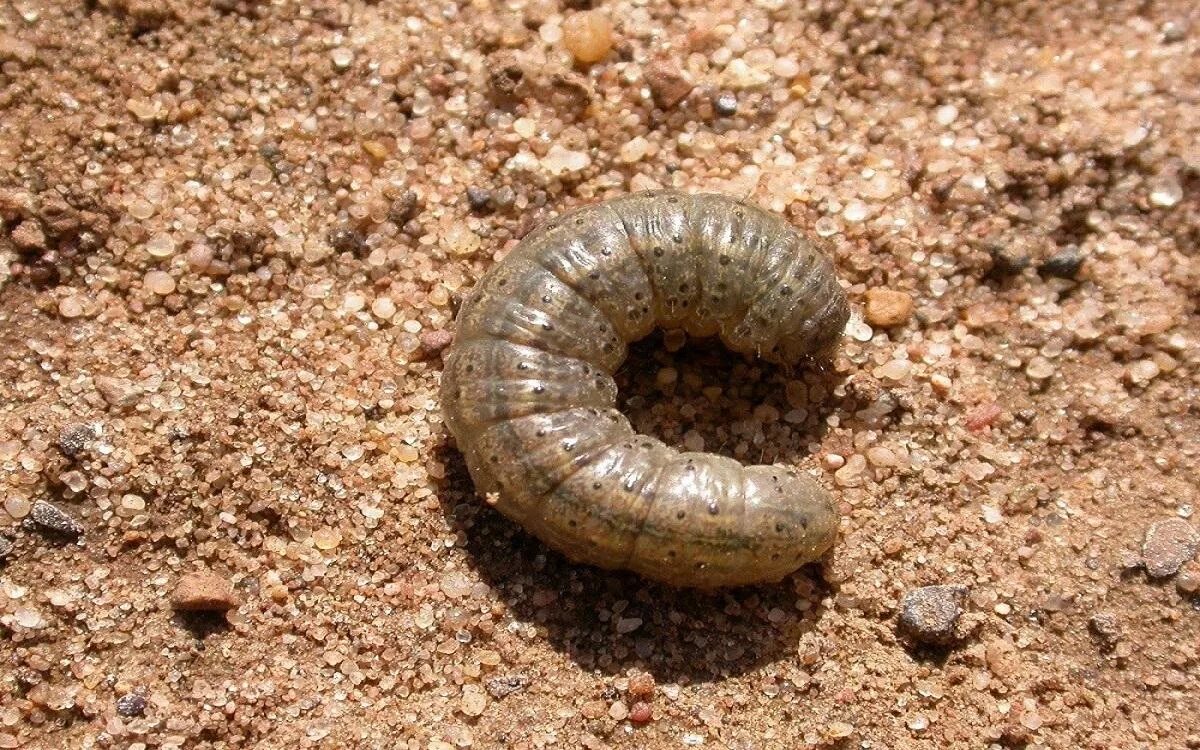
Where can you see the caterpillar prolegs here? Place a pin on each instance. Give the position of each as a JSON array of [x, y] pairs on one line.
[[528, 389]]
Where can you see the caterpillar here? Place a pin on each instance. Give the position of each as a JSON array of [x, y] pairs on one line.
[[527, 388]]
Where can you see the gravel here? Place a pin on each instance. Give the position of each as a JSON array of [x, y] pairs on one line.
[[47, 517], [725, 103], [504, 686], [74, 438], [131, 705], [203, 592], [1168, 544], [1106, 627], [668, 84], [1065, 264], [887, 308], [479, 199], [930, 614]]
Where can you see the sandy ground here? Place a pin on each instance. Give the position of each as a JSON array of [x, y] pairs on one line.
[[231, 237]]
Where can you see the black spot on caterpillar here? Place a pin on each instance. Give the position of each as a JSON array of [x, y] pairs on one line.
[[528, 393]]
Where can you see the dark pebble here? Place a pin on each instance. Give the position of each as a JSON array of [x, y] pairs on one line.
[[403, 209], [502, 687], [1062, 265], [1005, 263], [131, 705], [246, 240], [506, 74], [930, 614], [346, 240], [74, 438], [6, 546], [726, 104], [44, 516], [479, 199]]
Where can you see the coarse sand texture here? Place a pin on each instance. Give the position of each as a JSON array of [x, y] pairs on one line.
[[235, 237]]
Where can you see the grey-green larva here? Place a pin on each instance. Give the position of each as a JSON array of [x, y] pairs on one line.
[[528, 393]]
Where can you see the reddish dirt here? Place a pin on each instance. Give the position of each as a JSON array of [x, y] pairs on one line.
[[231, 240]]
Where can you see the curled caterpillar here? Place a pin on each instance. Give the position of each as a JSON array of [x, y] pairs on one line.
[[528, 392]]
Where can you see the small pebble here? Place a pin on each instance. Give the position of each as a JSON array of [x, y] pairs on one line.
[[1169, 543], [203, 592], [1174, 31], [28, 236], [666, 378], [117, 392], [28, 617], [159, 282], [930, 614], [160, 246], [1142, 371], [1165, 191], [347, 240], [48, 517], [855, 211], [641, 713], [1106, 628], [887, 307], [1039, 368], [132, 504], [726, 104], [896, 369], [1187, 581], [17, 507], [341, 57], [641, 687], [668, 85], [474, 701], [851, 473], [588, 36], [131, 705], [1005, 263], [946, 114], [1064, 264], [502, 687], [383, 308], [327, 538], [6, 546], [71, 307], [628, 624], [404, 209], [433, 342], [479, 199], [559, 160], [633, 150], [74, 438]]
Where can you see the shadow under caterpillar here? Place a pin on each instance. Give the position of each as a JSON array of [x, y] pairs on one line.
[[529, 396]]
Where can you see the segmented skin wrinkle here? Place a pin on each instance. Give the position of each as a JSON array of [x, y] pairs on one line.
[[528, 393]]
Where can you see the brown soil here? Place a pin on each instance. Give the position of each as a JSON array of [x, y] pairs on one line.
[[231, 237]]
